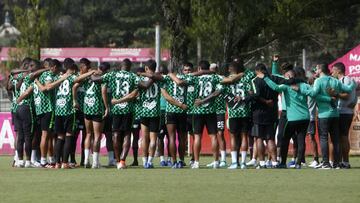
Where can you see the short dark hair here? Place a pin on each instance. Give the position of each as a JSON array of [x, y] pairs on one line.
[[104, 66], [239, 67], [68, 63], [163, 70], [56, 63], [285, 67], [204, 65], [151, 64], [47, 60], [26, 60], [340, 66], [140, 70], [324, 67], [188, 64], [300, 73], [126, 63], [262, 68], [86, 62], [36, 62]]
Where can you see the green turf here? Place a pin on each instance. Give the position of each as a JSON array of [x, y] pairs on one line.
[[180, 185]]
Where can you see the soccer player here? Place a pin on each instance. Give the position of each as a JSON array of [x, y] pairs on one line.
[[44, 100], [328, 113], [121, 82], [78, 92], [220, 108], [150, 112], [346, 106], [64, 112], [204, 113], [94, 112], [13, 91], [24, 115], [175, 116]]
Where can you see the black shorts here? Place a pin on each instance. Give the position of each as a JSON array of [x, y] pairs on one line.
[[345, 121], [189, 124], [153, 123], [177, 119], [46, 121], [136, 124], [239, 125], [220, 122], [79, 120], [96, 118], [266, 132], [24, 118], [65, 124], [311, 130], [202, 120], [122, 123]]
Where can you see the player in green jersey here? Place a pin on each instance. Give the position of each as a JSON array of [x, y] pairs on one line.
[[24, 115], [121, 82], [150, 111], [94, 112], [175, 116], [220, 108], [13, 91], [78, 92]]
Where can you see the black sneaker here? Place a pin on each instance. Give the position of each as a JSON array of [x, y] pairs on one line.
[[135, 163], [297, 166], [281, 166], [336, 166], [325, 167]]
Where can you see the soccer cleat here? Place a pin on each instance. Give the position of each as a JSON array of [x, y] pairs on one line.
[[216, 165], [297, 166], [134, 163], [163, 163], [325, 167], [181, 164], [260, 166], [195, 165], [233, 166], [291, 164], [57, 166], [146, 165], [72, 165], [50, 166], [313, 164], [282, 166], [345, 165], [95, 166], [150, 165], [210, 165], [20, 164], [243, 166], [222, 164], [268, 164], [65, 166], [252, 162], [122, 164], [27, 164], [169, 163], [36, 164], [174, 165], [191, 163]]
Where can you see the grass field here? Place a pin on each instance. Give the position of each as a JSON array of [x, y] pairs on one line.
[[179, 185]]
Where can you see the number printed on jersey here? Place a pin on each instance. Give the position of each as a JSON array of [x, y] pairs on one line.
[[64, 88]]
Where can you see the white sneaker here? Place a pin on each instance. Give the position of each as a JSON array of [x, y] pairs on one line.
[[36, 164], [27, 164], [19, 164], [252, 162], [222, 164], [313, 164], [95, 166], [216, 165], [210, 165], [195, 165], [243, 166], [233, 166], [191, 163]]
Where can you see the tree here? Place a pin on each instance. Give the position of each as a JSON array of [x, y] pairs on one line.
[[177, 19]]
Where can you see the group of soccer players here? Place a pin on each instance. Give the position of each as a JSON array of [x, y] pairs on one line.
[[53, 101]]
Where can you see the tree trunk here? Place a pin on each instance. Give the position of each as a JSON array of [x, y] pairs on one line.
[[229, 32]]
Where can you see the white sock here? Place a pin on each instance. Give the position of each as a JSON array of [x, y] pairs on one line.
[[86, 158], [274, 163], [95, 158], [27, 162], [16, 157], [33, 156], [278, 158], [233, 156], [150, 159], [111, 155], [262, 163], [51, 159], [243, 156], [144, 160], [223, 155], [43, 160], [162, 158], [293, 159]]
